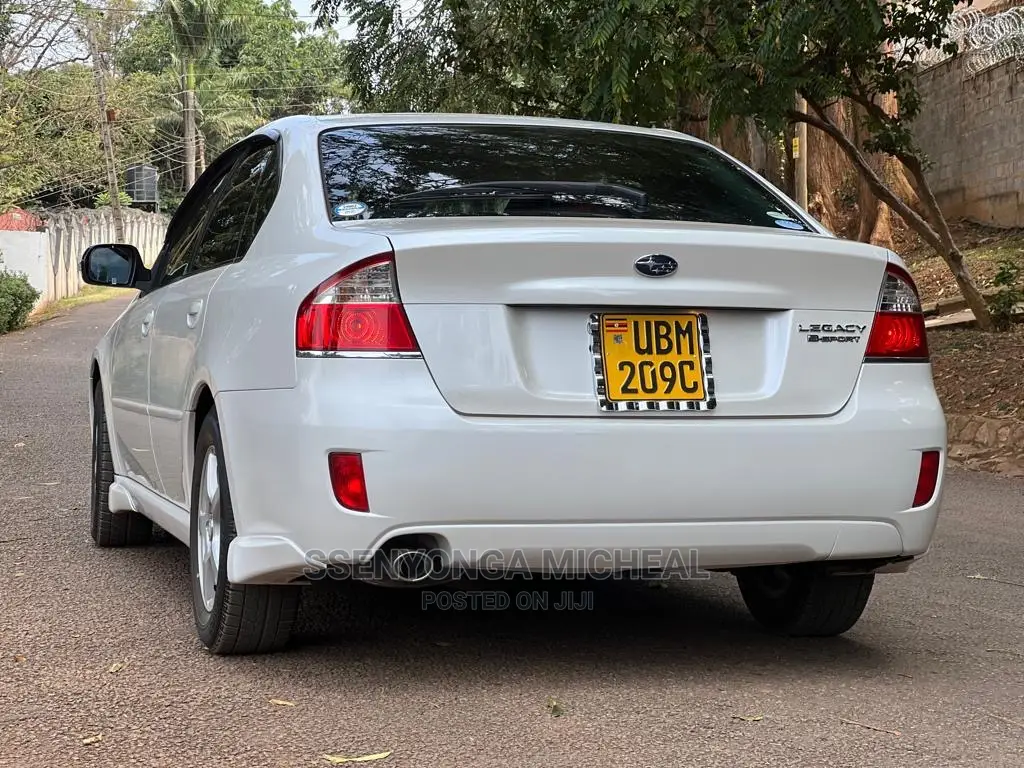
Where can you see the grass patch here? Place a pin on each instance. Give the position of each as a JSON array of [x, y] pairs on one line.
[[90, 294]]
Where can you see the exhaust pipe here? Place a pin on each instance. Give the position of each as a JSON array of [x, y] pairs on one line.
[[409, 566]]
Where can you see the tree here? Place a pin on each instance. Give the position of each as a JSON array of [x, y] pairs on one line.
[[38, 35], [49, 140], [263, 64], [197, 27], [674, 63], [865, 51], [224, 111]]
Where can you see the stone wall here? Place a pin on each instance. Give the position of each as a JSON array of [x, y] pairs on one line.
[[978, 442], [972, 129]]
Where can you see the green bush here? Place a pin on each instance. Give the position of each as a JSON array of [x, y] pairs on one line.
[[1008, 295], [17, 297]]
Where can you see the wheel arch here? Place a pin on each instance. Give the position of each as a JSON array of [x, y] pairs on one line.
[[201, 402], [97, 378]]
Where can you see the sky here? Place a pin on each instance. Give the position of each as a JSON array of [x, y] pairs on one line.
[[302, 8]]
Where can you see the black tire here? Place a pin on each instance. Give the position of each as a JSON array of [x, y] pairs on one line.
[[803, 600], [110, 529], [243, 618]]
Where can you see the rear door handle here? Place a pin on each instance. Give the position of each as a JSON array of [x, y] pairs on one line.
[[147, 321], [192, 316]]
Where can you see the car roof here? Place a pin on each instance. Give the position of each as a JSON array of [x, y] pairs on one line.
[[298, 124]]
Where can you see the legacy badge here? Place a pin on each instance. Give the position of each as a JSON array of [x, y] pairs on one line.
[[829, 333]]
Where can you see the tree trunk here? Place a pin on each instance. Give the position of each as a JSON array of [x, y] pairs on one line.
[[874, 225], [933, 230], [189, 121], [690, 116], [829, 172], [735, 140], [949, 251]]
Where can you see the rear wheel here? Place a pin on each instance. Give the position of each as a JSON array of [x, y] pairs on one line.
[[230, 618], [804, 600], [110, 529]]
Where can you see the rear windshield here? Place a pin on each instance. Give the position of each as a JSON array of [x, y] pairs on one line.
[[370, 172]]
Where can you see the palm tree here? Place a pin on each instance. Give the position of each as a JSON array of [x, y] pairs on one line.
[[197, 27], [223, 111]]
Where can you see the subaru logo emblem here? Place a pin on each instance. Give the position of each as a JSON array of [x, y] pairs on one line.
[[656, 265]]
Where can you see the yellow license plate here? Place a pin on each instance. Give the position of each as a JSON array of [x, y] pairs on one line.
[[653, 362]]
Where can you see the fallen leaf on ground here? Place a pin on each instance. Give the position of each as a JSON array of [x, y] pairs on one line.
[[18, 657], [18, 575], [19, 445], [282, 702], [979, 577], [92, 739], [869, 727], [339, 759], [554, 707], [117, 666], [748, 718]]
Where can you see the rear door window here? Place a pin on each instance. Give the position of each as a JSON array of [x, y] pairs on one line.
[[401, 171], [233, 223]]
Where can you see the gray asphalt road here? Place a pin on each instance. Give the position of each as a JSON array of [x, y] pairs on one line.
[[648, 678]]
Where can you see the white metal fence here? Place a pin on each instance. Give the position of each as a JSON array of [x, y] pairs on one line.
[[50, 258]]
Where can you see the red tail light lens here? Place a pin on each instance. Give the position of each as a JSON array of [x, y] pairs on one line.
[[356, 310], [898, 331], [348, 481], [927, 478]]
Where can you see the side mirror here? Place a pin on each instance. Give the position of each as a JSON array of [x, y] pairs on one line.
[[119, 266]]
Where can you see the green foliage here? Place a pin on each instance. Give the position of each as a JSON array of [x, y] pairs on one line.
[[649, 62], [17, 297], [257, 62], [50, 149], [198, 28], [1009, 293], [103, 199], [148, 47]]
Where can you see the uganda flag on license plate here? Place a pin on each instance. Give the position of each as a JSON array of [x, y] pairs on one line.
[[616, 324]]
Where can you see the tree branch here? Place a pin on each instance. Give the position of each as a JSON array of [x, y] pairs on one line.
[[823, 123]]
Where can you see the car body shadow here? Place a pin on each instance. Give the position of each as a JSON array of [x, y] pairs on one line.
[[479, 629], [619, 628]]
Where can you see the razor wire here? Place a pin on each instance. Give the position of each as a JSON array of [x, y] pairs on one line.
[[983, 40]]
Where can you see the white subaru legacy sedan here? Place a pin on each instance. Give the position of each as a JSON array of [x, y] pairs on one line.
[[410, 349]]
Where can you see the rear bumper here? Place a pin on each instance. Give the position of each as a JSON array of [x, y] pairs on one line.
[[526, 491]]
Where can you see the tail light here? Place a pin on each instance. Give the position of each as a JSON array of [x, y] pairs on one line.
[[356, 312], [897, 332], [348, 481], [927, 478]]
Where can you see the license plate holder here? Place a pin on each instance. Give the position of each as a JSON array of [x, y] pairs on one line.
[[676, 373]]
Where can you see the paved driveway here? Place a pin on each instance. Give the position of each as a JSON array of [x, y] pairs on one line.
[[932, 676]]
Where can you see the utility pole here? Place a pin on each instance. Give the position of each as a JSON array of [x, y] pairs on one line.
[[800, 155], [105, 133]]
